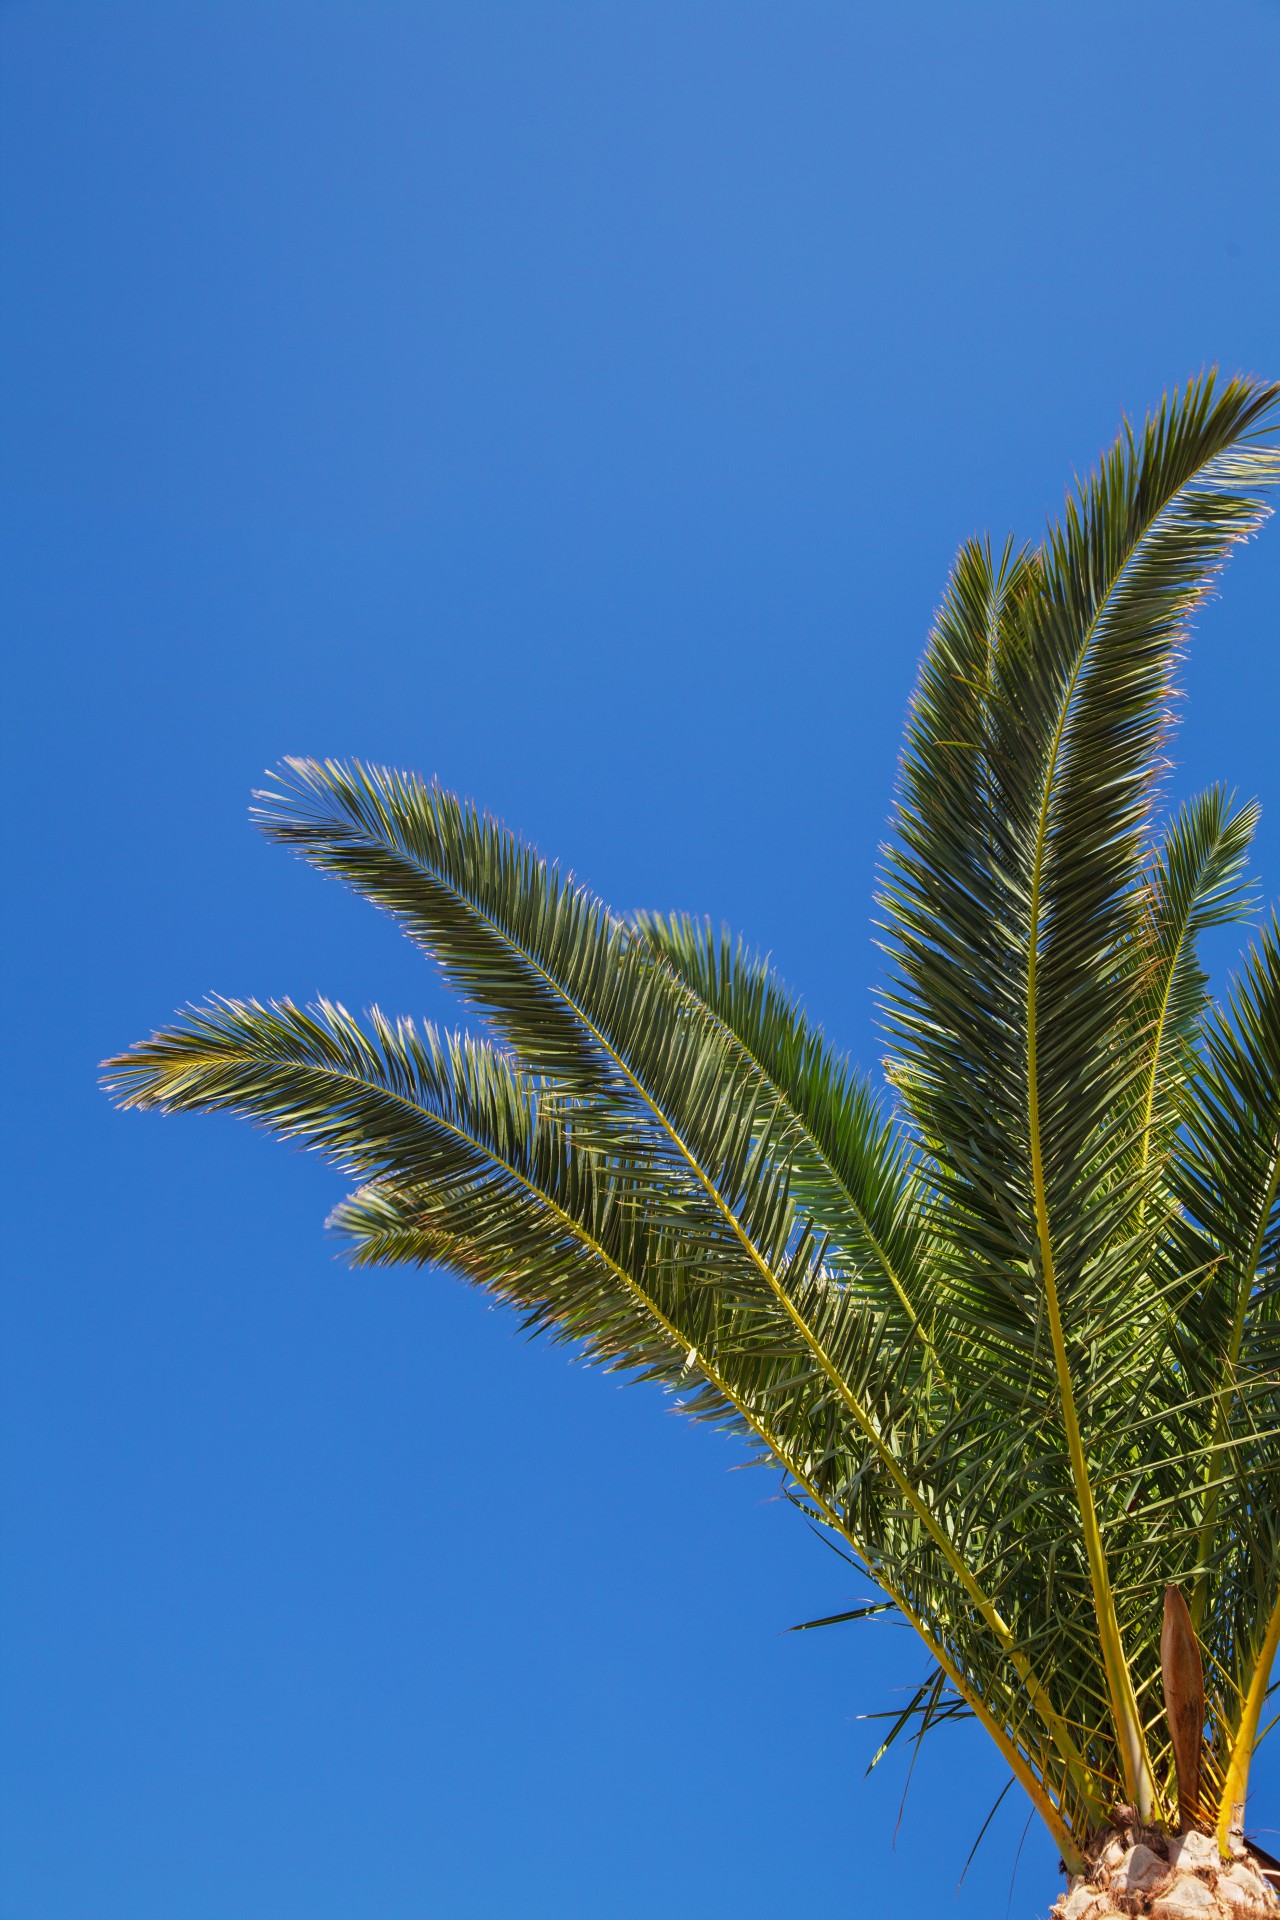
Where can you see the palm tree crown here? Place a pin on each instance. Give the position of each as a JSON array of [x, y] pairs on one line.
[[1011, 1330]]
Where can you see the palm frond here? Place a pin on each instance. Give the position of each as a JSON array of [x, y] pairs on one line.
[[849, 1164], [644, 1059], [1016, 895], [1226, 1169], [1015, 1342], [1198, 881], [471, 1167]]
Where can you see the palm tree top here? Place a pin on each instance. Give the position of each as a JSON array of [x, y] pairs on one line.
[[1008, 1324]]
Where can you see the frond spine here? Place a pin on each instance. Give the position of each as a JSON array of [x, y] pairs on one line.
[[1139, 1783], [1226, 1391], [1236, 1789]]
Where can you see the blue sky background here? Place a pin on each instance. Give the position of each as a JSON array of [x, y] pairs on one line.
[[582, 402]]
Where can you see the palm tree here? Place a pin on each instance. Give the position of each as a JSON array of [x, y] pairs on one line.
[[1012, 1329]]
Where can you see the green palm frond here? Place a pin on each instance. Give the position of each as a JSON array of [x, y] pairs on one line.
[[1198, 880], [1012, 1333], [1017, 886], [1227, 1166], [643, 1059], [1227, 1175], [1017, 895], [849, 1164], [490, 1181], [561, 980]]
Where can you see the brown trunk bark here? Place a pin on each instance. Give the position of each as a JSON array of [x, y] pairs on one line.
[[1167, 1877]]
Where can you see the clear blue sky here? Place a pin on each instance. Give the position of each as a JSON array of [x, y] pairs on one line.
[[581, 402]]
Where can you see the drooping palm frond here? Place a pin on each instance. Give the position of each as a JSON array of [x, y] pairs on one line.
[[1014, 1340], [470, 1168]]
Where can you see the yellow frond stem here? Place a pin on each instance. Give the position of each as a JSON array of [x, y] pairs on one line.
[[1236, 1790]]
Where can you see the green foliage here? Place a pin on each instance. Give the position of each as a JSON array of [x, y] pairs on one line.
[[1011, 1332]]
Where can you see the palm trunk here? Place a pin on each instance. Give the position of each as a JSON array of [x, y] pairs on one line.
[[1138, 1870]]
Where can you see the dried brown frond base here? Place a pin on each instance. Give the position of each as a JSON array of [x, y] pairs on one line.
[[1142, 1871]]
